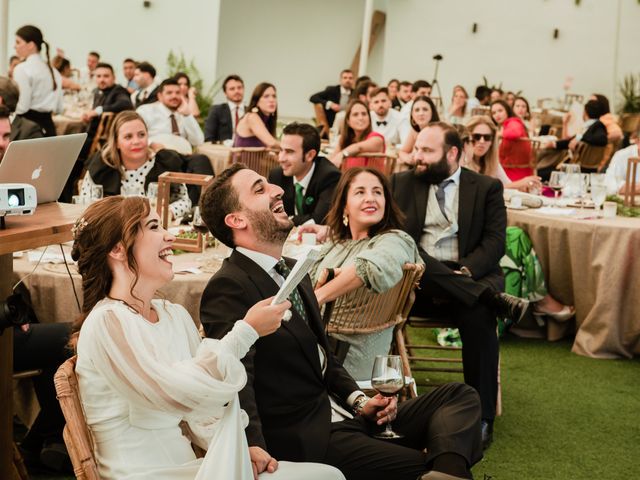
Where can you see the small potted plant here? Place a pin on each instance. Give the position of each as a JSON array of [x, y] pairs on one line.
[[629, 108]]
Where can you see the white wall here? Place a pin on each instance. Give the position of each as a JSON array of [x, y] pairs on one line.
[[124, 28], [514, 43]]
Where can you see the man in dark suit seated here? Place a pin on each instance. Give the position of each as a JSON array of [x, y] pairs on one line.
[[21, 128], [223, 118], [302, 404], [458, 220], [145, 76], [334, 98], [308, 180]]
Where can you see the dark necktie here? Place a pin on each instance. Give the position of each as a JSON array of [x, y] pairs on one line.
[[295, 298], [235, 125], [383, 122], [174, 125], [299, 198], [440, 195]]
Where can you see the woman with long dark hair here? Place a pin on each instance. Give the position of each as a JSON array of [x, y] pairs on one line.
[[257, 127], [40, 84], [515, 148], [423, 112]]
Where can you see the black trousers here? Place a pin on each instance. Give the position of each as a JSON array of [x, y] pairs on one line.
[[446, 420], [44, 347], [43, 119], [445, 294]]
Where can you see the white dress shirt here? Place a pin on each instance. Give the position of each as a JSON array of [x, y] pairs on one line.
[[158, 119], [232, 108], [36, 86], [268, 264], [616, 174], [390, 130]]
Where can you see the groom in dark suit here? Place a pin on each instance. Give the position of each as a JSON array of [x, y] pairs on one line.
[[302, 404], [308, 180], [458, 220]]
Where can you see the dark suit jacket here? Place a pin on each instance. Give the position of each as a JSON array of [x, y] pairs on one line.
[[114, 99], [595, 135], [331, 93], [153, 97], [319, 193], [286, 396], [219, 124], [482, 218], [24, 129]]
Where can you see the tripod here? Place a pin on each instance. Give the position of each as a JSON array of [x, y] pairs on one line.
[[435, 85]]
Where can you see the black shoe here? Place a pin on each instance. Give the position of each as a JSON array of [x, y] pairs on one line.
[[486, 427], [54, 456], [511, 307]]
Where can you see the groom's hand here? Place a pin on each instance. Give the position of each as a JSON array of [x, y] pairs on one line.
[[381, 409], [261, 461]]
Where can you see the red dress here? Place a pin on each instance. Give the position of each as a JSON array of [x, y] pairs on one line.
[[515, 150], [377, 163]]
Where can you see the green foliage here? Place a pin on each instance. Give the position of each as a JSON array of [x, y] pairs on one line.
[[623, 210], [204, 97], [630, 92]]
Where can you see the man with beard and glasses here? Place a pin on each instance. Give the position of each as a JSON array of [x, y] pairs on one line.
[[302, 404], [458, 220]]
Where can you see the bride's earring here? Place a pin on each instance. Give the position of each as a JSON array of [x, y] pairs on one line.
[[345, 220]]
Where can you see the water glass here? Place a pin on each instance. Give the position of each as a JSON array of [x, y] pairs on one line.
[[131, 190], [152, 194], [598, 195], [571, 168], [78, 200], [597, 179]]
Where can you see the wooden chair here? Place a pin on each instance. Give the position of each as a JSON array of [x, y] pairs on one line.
[[449, 363], [589, 157], [384, 162], [630, 185], [259, 159], [102, 132], [19, 468], [362, 311], [321, 120], [76, 434]]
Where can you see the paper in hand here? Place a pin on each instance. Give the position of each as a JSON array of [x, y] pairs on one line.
[[300, 269]]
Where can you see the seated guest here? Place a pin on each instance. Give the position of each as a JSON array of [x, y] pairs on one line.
[[423, 112], [522, 111], [107, 97], [496, 94], [129, 71], [458, 109], [385, 119], [188, 93], [515, 148], [480, 155], [392, 87], [419, 88], [457, 218], [358, 137], [257, 128], [614, 132], [594, 132], [616, 174], [21, 127], [299, 399], [367, 248], [404, 95], [64, 67], [481, 98], [145, 375], [223, 118], [145, 77], [170, 115], [87, 72], [335, 97], [307, 180], [126, 164], [363, 90], [510, 98]]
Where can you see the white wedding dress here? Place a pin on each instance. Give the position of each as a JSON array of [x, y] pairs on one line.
[[139, 380]]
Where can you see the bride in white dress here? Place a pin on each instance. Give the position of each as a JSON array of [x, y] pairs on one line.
[[146, 378]]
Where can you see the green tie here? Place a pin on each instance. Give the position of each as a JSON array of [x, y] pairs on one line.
[[295, 298], [299, 198]]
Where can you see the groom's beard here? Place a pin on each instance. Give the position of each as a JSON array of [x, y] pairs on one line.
[[268, 229], [435, 173]]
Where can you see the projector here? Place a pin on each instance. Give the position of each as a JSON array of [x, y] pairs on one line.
[[17, 199]]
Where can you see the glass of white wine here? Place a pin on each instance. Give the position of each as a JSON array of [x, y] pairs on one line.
[[387, 378]]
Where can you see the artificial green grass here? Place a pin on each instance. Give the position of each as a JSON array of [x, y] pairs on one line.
[[565, 417]]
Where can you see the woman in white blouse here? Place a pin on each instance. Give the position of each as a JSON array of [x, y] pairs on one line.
[[149, 385], [40, 84], [126, 165]]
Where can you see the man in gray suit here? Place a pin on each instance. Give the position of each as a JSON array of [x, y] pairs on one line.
[[21, 128]]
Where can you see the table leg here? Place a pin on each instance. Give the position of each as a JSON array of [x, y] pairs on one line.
[[6, 372]]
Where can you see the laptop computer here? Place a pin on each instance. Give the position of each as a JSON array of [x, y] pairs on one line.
[[44, 163]]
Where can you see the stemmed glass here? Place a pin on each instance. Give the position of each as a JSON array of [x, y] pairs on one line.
[[557, 181], [387, 379]]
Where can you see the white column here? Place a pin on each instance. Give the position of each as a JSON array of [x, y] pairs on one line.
[[4, 37], [366, 33]]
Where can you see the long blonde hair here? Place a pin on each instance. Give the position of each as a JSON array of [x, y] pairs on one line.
[[110, 153], [488, 164]]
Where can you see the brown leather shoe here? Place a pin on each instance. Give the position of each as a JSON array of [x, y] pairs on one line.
[[433, 475]]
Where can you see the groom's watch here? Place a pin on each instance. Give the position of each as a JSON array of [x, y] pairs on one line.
[[359, 403]]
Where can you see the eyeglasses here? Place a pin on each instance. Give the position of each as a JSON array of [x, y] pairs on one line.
[[476, 137]]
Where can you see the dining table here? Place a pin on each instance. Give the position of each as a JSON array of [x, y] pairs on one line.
[[591, 262]]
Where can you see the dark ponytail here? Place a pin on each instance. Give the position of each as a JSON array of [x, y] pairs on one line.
[[29, 33]]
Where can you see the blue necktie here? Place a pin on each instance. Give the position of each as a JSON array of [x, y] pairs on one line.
[[440, 196]]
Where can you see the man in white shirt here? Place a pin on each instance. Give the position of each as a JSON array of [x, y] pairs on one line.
[[384, 119], [223, 118], [616, 174], [170, 115], [145, 76]]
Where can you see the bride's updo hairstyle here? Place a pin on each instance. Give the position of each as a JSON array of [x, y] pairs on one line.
[[103, 225]]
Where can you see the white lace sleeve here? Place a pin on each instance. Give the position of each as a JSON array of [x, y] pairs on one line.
[[140, 363]]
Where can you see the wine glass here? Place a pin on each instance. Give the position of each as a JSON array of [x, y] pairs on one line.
[[387, 378], [571, 167], [598, 195], [152, 194], [557, 181]]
